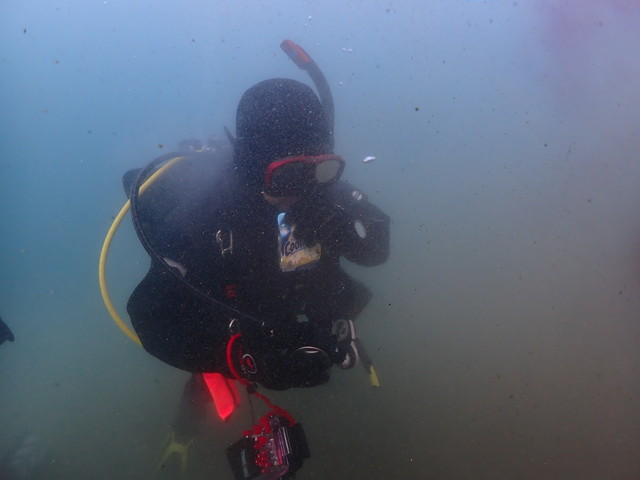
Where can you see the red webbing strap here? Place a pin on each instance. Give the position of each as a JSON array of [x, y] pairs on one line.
[[275, 408]]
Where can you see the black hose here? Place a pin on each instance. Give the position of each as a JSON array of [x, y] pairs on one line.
[[303, 60]]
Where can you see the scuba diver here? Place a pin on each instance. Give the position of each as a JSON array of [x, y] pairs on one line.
[[245, 242]]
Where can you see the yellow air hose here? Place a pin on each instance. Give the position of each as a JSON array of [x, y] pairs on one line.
[[102, 274]]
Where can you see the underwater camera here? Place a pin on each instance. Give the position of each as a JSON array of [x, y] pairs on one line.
[[273, 449]]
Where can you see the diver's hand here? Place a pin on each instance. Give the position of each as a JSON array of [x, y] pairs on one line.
[[341, 218], [319, 219]]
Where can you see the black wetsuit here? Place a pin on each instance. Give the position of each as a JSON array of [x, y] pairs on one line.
[[200, 207]]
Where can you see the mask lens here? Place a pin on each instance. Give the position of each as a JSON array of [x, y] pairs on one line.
[[297, 175], [327, 170], [290, 177]]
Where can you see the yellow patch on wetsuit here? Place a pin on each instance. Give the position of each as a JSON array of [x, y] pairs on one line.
[[294, 254]]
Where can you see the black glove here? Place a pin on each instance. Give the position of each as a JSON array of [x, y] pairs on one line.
[[319, 218], [341, 218]]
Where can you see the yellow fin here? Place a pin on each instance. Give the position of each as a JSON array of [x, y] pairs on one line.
[[373, 378]]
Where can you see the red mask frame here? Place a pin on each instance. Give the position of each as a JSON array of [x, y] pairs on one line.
[[297, 175]]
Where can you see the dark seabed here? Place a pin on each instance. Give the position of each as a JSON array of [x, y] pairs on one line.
[[505, 327]]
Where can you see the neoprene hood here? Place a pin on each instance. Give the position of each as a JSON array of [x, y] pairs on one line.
[[278, 118]]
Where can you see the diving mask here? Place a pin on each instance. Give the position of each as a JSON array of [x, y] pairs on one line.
[[298, 175]]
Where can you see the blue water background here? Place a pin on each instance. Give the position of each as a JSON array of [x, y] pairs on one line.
[[505, 327]]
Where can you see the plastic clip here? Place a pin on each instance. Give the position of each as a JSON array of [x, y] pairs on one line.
[[220, 241], [234, 326]]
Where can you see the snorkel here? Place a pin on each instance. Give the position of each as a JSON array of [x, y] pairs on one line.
[[303, 60]]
